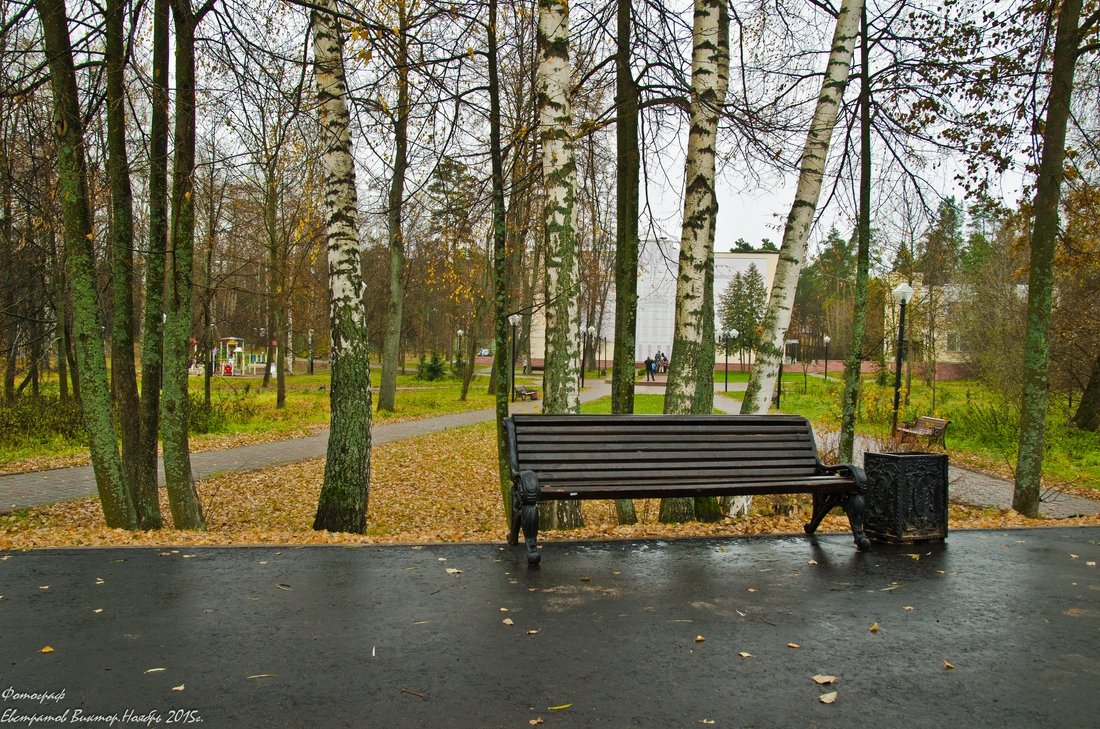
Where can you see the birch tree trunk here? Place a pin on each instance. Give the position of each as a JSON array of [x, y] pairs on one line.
[[342, 506], [152, 338], [72, 187], [387, 389], [561, 386], [1044, 238], [183, 499], [792, 253], [691, 373]]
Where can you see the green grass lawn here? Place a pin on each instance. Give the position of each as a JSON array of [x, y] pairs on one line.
[[984, 429], [240, 406], [643, 405]]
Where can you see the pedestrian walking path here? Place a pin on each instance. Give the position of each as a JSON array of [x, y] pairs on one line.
[[20, 491]]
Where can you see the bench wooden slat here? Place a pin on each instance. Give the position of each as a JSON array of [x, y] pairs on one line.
[[734, 459], [528, 447], [749, 488]]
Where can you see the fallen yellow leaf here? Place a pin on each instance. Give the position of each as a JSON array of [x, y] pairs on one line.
[[874, 627], [752, 589], [822, 680], [536, 721], [179, 688], [283, 586], [155, 670], [908, 608], [829, 698], [947, 665], [46, 649], [97, 611], [745, 654], [699, 639], [262, 675], [559, 708], [453, 571], [508, 621], [532, 632], [913, 556], [793, 645]]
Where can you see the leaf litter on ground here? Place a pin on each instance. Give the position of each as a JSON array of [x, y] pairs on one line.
[[277, 505]]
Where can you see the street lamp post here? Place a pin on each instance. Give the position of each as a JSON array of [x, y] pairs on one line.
[[827, 340], [588, 333], [726, 350], [458, 354], [779, 382], [514, 320], [902, 294], [311, 351]]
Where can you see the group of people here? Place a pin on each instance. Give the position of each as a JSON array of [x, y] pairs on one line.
[[655, 364]]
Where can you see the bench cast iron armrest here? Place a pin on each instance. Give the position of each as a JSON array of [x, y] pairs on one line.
[[848, 469]]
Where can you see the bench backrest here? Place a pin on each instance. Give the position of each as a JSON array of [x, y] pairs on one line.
[[580, 449], [935, 424]]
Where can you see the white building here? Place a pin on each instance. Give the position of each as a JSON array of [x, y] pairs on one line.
[[658, 262]]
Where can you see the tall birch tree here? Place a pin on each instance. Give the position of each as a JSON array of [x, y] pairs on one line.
[[343, 503], [691, 374], [792, 252], [561, 386]]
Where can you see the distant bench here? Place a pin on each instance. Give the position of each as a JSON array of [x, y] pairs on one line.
[[522, 393], [932, 429], [653, 456]]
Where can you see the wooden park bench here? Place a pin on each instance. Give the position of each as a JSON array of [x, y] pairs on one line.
[[654, 456], [522, 393], [932, 429]]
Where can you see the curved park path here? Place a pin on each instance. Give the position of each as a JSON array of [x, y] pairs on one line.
[[23, 490]]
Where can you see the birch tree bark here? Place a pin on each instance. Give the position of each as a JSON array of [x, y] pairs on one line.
[[792, 253], [691, 373], [561, 386], [72, 188], [343, 503], [1044, 238]]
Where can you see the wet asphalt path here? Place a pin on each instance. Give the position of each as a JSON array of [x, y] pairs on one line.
[[387, 637]]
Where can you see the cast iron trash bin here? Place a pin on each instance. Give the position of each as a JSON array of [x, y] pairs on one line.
[[906, 496]]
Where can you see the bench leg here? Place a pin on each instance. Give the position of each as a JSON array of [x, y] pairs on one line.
[[854, 506], [822, 506], [530, 501], [857, 511], [517, 515]]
